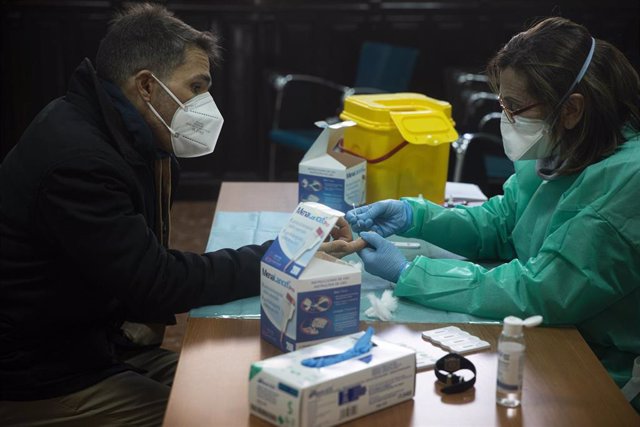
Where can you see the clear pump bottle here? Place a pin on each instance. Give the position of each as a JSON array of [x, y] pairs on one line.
[[511, 347]]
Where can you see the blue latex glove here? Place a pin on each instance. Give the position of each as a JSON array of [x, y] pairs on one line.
[[386, 217], [381, 258], [362, 346]]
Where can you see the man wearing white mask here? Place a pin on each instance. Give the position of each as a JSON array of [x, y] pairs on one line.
[[86, 273]]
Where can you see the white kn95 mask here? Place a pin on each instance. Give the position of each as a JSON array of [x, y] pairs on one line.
[[195, 125], [525, 139]]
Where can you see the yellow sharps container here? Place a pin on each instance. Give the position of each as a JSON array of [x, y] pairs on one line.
[[405, 139]]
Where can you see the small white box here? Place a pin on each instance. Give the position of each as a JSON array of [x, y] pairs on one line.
[[331, 177], [307, 297], [286, 393]]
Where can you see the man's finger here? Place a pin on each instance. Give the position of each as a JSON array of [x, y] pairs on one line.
[[358, 245], [341, 248], [341, 230]]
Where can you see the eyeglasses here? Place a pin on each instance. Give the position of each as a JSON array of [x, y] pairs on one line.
[[512, 114]]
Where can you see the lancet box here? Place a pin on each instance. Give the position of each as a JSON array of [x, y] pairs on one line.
[[329, 176], [307, 296]]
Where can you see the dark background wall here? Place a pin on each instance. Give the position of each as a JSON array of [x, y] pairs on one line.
[[43, 42]]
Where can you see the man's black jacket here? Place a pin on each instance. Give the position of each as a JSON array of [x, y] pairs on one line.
[[77, 249]]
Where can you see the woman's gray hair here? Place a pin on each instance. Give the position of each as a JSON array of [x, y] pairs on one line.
[[148, 36]]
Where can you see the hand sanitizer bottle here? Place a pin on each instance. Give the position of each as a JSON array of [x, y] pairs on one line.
[[511, 348]]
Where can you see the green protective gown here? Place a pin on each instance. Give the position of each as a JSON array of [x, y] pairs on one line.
[[571, 251]]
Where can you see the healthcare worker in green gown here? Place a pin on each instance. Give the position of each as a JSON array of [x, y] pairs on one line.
[[568, 225]]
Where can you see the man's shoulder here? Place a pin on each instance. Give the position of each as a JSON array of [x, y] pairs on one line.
[[60, 138], [63, 130]]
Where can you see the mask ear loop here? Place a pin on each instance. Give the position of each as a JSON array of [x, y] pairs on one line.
[[174, 133], [161, 119], [175, 98]]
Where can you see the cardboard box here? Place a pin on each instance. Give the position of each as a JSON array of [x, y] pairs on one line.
[[284, 392], [330, 177], [307, 297]]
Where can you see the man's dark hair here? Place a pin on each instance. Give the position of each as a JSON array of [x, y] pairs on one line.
[[148, 36]]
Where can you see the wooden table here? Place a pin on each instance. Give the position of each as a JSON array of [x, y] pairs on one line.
[[564, 383]]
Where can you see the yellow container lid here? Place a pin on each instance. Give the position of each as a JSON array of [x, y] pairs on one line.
[[419, 118]]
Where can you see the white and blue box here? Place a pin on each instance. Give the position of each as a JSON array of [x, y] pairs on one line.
[[307, 296], [287, 393], [331, 177]]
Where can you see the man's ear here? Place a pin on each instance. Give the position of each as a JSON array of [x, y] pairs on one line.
[[144, 84], [572, 111]]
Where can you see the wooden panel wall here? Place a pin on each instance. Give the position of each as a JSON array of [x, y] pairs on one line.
[[43, 41]]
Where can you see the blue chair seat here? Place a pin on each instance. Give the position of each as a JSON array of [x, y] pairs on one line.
[[381, 68]]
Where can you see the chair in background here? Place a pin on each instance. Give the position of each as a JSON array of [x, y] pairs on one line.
[[479, 156], [490, 123], [477, 106], [480, 159], [382, 68], [460, 87]]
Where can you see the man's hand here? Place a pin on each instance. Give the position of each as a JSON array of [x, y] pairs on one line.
[[340, 241], [341, 231], [342, 248]]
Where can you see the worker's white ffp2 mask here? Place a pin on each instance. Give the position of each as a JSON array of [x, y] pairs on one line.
[[526, 139], [195, 125]]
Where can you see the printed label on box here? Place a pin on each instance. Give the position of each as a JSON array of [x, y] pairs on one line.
[[307, 296], [301, 237], [331, 177], [294, 315], [285, 392]]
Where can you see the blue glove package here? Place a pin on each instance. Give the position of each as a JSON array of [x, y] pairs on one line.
[[362, 346], [381, 257], [386, 217]]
